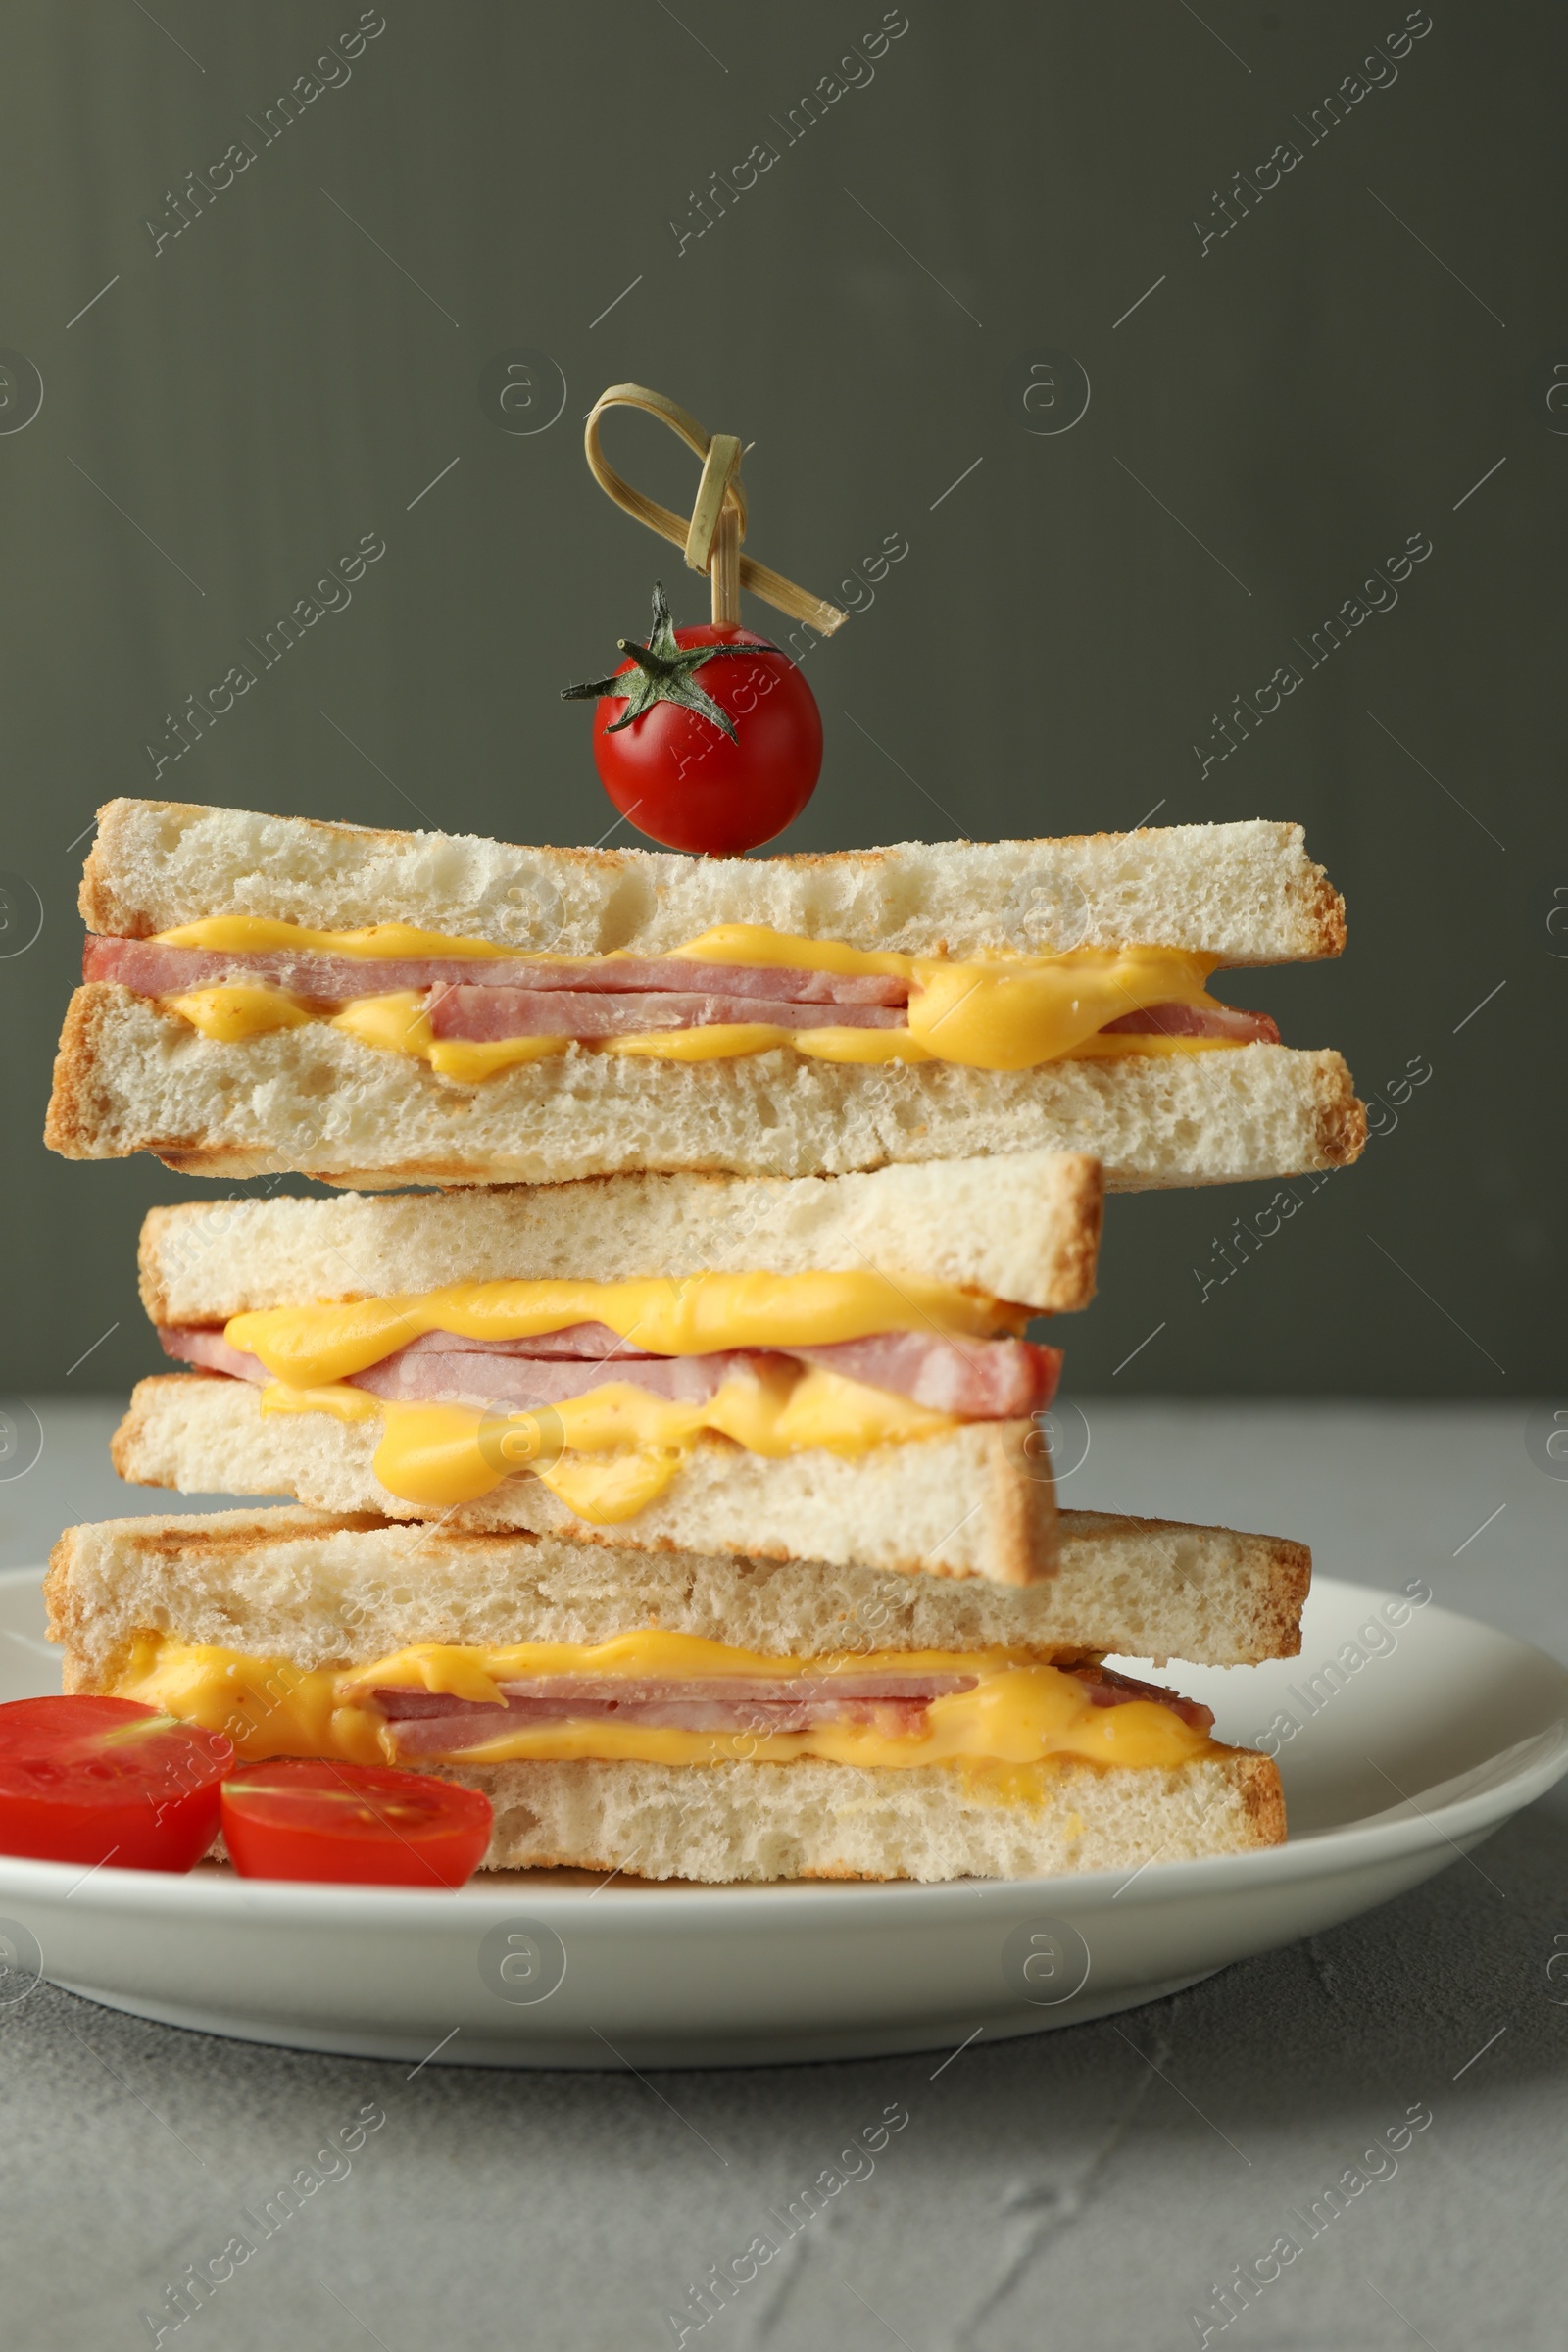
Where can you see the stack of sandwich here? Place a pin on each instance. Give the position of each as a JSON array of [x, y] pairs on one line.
[[675, 1469]]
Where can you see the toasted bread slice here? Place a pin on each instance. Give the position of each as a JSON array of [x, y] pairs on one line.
[[1024, 1227], [728, 1823], [976, 1501], [327, 1589], [132, 1077], [1246, 893]]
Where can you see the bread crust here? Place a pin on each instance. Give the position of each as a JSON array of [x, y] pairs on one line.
[[76, 1108], [1261, 1793], [1023, 1533]]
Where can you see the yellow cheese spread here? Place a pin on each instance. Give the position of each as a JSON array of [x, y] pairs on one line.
[[1021, 1712], [1003, 1012]]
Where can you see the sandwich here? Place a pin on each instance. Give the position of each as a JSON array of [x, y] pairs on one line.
[[824, 1368], [704, 1718], [379, 1008]]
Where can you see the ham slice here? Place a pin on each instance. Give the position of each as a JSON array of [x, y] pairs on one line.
[[153, 969], [209, 1351], [429, 1722], [485, 999], [1108, 1688], [488, 1014], [522, 1384], [441, 1366], [978, 1380], [1196, 1020], [975, 1380], [566, 1694], [594, 1341]]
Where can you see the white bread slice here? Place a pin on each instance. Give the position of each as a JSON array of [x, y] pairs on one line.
[[131, 1077], [1246, 893], [728, 1822], [1024, 1228], [324, 1591], [292, 1579], [976, 1501]]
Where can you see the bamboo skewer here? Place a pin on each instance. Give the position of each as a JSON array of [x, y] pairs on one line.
[[711, 540], [725, 566]]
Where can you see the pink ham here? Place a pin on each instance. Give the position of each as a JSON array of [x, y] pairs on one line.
[[1196, 1020], [153, 969], [429, 1723], [1108, 1688], [488, 999], [526, 1383], [594, 1341], [976, 1380], [572, 1693], [189, 1343], [787, 984], [487, 1014], [520, 1374], [451, 1733]]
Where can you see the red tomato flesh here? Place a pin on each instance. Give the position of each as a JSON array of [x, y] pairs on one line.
[[373, 1825], [105, 1780], [679, 778]]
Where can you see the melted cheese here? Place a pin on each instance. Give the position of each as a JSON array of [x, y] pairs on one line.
[[785, 950], [994, 1014], [713, 1041], [470, 1060], [610, 1452], [397, 1024], [722, 1041], [1022, 1720], [1003, 1012], [697, 1314], [260, 935], [236, 1009]]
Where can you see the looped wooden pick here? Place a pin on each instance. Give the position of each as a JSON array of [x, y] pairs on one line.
[[711, 540]]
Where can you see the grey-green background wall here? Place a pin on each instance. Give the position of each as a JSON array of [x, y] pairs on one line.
[[1280, 412]]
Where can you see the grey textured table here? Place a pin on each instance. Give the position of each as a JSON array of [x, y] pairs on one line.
[[1087, 2187]]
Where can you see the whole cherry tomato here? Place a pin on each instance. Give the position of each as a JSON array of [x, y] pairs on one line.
[[107, 1780], [375, 1824], [706, 738]]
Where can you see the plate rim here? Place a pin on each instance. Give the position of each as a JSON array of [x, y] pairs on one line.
[[1368, 1844]]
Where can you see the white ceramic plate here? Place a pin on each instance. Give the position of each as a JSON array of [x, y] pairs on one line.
[[1442, 1730]]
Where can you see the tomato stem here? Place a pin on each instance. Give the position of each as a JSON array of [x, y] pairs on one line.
[[667, 671]]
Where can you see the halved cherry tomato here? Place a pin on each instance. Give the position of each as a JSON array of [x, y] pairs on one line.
[[308, 1818], [707, 738], [106, 1780]]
